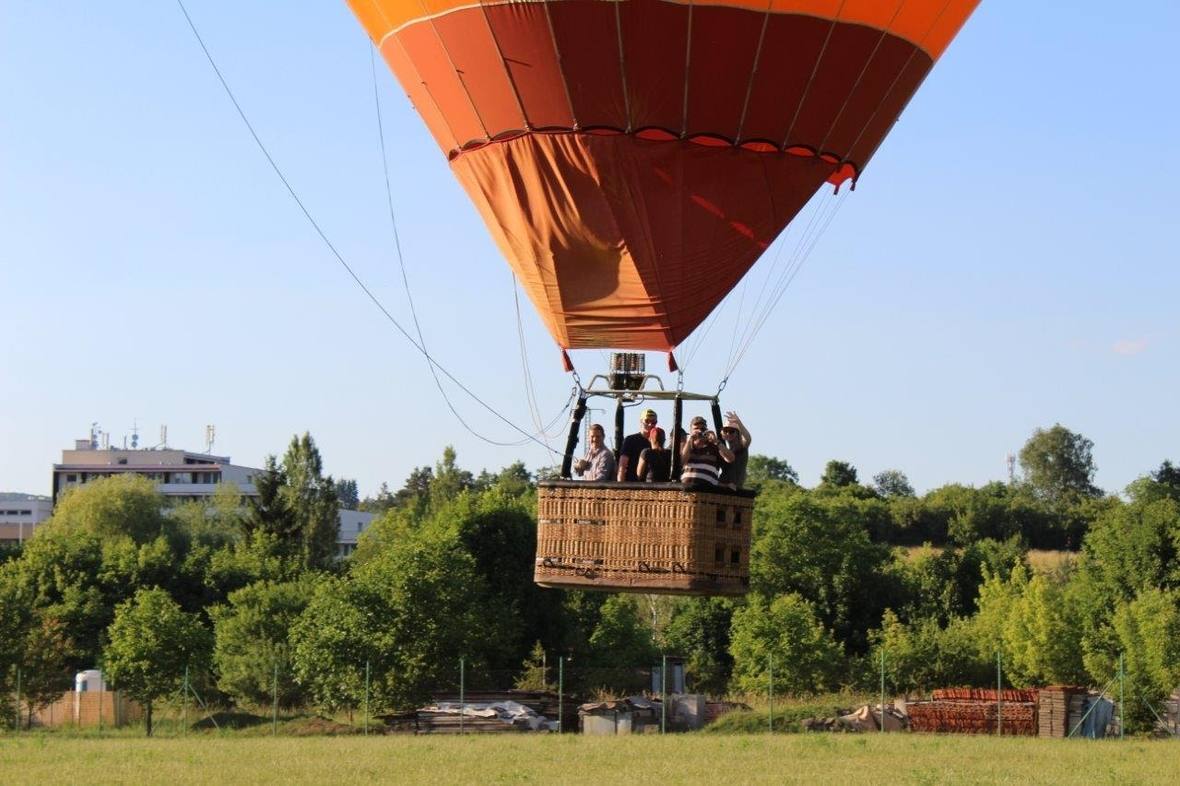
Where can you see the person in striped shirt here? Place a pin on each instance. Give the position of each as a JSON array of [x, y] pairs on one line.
[[702, 457]]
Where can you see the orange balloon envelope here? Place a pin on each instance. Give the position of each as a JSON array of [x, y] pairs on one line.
[[633, 158]]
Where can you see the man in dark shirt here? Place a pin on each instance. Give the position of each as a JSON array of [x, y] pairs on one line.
[[635, 444], [736, 437]]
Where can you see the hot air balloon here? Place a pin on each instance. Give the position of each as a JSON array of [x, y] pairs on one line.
[[632, 160]]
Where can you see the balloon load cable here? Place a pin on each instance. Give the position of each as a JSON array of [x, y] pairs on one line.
[[434, 364]]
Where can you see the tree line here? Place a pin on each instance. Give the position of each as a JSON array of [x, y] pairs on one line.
[[246, 597]]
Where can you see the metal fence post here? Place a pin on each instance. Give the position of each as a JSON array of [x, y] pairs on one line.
[[999, 695], [1122, 677], [663, 692], [770, 690], [184, 716], [274, 707], [366, 698], [882, 721], [560, 694], [462, 687], [18, 687]]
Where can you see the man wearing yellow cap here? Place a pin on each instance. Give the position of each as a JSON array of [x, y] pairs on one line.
[[634, 444]]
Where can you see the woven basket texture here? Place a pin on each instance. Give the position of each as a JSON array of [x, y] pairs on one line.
[[643, 539]]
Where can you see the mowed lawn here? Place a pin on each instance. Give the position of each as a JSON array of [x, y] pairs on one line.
[[813, 759]]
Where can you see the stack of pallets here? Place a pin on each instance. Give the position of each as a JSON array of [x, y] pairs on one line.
[[1059, 709]]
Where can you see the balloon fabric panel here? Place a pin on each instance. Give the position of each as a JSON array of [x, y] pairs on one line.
[[633, 158]]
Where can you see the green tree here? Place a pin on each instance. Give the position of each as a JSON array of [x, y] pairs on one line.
[[922, 655], [1168, 475], [892, 483], [270, 512], [251, 641], [118, 506], [973, 514], [15, 621], [1130, 548], [838, 473], [761, 469], [69, 573], [152, 643], [415, 491], [1042, 635], [44, 663], [449, 480], [347, 494], [534, 673], [621, 645], [379, 504], [942, 584], [699, 632], [785, 631], [409, 612], [1058, 465], [311, 498], [1147, 633], [818, 545]]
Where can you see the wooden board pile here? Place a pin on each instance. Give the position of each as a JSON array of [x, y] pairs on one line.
[[1059, 710], [974, 710], [541, 702], [434, 721]]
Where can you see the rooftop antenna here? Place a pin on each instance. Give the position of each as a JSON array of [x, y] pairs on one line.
[[106, 440], [210, 436], [163, 437], [94, 436], [1011, 469], [134, 434]]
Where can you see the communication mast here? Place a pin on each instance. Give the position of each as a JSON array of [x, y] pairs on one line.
[[210, 436], [1011, 468]]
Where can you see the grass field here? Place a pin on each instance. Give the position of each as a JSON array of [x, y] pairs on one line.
[[687, 758]]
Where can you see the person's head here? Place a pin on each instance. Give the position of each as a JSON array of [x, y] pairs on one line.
[[697, 429], [729, 433], [597, 435], [648, 420], [656, 437]]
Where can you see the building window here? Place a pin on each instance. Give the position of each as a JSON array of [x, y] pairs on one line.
[[71, 478]]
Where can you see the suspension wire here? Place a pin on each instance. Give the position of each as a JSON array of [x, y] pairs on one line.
[[401, 261], [529, 388], [702, 332], [335, 253], [773, 271], [737, 317], [832, 207], [782, 276]]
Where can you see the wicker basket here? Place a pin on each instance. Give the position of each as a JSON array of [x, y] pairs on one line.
[[642, 537]]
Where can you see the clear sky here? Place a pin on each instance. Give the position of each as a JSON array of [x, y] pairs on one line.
[[1009, 259]]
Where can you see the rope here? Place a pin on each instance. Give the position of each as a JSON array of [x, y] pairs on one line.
[[788, 276], [529, 388], [402, 266], [332, 248]]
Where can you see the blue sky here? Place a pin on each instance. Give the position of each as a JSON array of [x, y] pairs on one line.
[[1009, 259]]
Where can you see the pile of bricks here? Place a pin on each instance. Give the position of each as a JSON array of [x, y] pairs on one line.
[[974, 711], [983, 694]]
